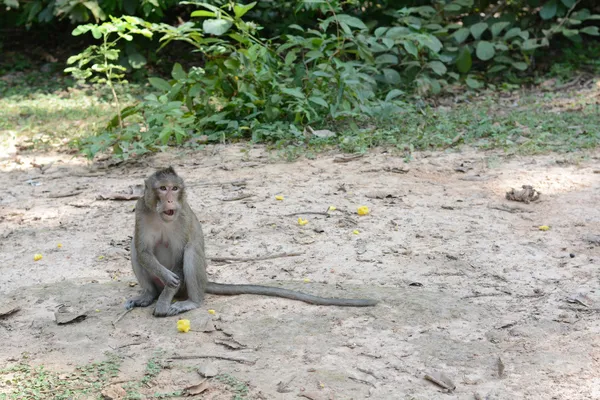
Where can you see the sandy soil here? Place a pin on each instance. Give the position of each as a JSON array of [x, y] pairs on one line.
[[461, 281]]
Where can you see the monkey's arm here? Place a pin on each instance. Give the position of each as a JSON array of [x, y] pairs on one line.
[[228, 289], [149, 262]]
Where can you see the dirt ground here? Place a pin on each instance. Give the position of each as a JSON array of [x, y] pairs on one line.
[[463, 276]]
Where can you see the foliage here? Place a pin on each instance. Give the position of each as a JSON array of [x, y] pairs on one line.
[[76, 11], [343, 69]]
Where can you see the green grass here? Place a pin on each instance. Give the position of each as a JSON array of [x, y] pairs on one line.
[[534, 123], [48, 111]]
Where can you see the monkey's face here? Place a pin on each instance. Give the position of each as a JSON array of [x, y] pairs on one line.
[[169, 195]]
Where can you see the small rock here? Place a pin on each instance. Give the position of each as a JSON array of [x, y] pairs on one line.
[[115, 392], [208, 370]]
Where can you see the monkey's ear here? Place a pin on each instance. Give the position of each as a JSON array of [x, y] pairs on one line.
[[169, 170]]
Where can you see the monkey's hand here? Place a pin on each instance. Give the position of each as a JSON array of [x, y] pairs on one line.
[[170, 278]]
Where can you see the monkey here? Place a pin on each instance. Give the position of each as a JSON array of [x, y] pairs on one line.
[[168, 259]]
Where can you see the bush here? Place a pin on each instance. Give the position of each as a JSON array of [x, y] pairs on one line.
[[345, 69]]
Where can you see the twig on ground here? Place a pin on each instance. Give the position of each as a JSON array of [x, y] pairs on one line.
[[121, 316], [259, 258], [220, 357]]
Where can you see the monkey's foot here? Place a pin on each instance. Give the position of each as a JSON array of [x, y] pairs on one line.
[[175, 308], [142, 301]]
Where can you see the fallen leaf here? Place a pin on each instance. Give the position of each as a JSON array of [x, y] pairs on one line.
[[115, 392], [134, 192], [196, 389], [63, 318], [440, 379], [8, 309]]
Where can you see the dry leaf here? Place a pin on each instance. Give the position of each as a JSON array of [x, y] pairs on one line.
[[63, 318], [196, 389], [8, 309], [440, 379]]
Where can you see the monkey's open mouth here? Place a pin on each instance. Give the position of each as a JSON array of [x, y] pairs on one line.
[[170, 213]]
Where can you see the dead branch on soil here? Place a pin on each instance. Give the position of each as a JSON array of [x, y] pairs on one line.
[[260, 258], [220, 357], [67, 194], [239, 182]]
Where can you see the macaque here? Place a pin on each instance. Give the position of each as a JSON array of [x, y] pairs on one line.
[[167, 254]]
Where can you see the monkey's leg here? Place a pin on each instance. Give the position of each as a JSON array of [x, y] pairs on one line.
[[163, 304], [194, 276], [149, 288]]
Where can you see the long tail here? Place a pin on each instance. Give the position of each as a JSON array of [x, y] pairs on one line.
[[228, 289]]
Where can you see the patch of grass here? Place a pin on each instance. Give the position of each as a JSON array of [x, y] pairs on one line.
[[47, 111], [25, 381], [535, 123], [239, 388]]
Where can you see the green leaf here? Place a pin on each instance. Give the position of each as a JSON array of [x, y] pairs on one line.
[[136, 60], [11, 3], [464, 61], [520, 65], [81, 29], [319, 100], [397, 32], [429, 41], [160, 84], [498, 27], [485, 50], [473, 83], [461, 35], [290, 58], [438, 67], [216, 27], [451, 7], [392, 94], [590, 30], [203, 13], [511, 33], [295, 92], [391, 76], [496, 68], [410, 48], [178, 73], [240, 9], [529, 44], [548, 10], [568, 3], [351, 21], [478, 29], [96, 32], [386, 59]]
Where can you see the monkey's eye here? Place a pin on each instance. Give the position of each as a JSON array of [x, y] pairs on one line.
[[163, 188], [174, 188]]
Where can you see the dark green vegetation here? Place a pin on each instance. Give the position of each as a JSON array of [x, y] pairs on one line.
[[371, 72]]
